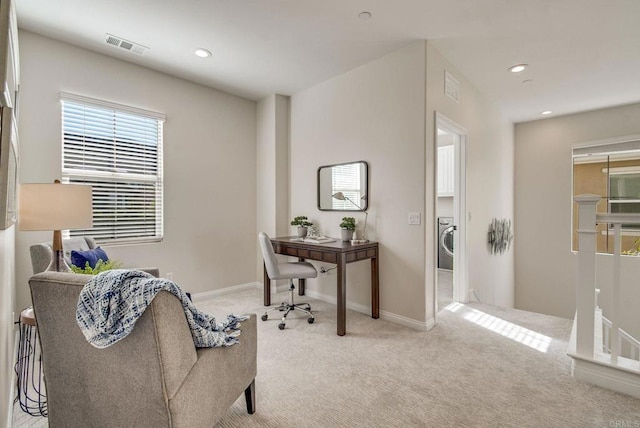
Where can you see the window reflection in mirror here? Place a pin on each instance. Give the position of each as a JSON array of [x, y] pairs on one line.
[[613, 173], [350, 179]]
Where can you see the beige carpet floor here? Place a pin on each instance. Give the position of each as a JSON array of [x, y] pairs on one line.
[[481, 366], [468, 371]]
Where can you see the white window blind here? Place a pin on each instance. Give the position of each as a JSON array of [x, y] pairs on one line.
[[346, 179], [118, 151]]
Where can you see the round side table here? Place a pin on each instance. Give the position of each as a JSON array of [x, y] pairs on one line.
[[31, 391]]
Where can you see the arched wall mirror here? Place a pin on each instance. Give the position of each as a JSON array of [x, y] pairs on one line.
[[343, 187]]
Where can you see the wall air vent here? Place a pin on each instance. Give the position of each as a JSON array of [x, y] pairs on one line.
[[125, 44]]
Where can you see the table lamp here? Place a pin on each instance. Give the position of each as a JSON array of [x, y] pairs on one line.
[[341, 197], [55, 206]]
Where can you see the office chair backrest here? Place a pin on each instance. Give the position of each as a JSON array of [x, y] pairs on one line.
[[269, 256]]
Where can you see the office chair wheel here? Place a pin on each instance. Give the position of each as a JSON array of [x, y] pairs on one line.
[[281, 326], [264, 317], [310, 320]]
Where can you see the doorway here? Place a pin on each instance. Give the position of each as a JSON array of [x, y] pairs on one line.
[[451, 214]]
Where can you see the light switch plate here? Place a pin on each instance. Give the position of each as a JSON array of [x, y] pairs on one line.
[[414, 218]]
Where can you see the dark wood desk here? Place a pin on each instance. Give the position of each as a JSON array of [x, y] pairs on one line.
[[339, 253]]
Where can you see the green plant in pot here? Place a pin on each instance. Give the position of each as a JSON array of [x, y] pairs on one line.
[[303, 223], [348, 226]]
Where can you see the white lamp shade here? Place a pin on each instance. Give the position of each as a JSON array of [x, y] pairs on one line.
[[54, 206]]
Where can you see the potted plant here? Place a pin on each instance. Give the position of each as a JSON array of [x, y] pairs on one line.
[[303, 223], [348, 226]]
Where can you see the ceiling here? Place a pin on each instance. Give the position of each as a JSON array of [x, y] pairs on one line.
[[582, 54]]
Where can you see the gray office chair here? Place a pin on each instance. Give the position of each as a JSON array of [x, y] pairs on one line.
[[288, 271]]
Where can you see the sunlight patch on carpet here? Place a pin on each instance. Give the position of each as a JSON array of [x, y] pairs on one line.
[[454, 307], [512, 331]]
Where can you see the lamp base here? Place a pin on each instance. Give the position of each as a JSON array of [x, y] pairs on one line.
[[58, 264]]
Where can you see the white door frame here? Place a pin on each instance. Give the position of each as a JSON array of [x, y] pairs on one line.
[[460, 238]]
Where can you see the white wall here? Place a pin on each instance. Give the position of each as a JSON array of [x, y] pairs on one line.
[[490, 175], [209, 155], [545, 267], [7, 318], [272, 169], [384, 113], [444, 207], [373, 113]]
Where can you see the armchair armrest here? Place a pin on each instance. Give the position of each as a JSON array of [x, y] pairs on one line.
[[217, 379]]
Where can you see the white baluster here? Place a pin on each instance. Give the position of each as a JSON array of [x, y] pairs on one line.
[[616, 341]]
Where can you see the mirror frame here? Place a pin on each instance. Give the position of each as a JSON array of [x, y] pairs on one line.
[[366, 186]]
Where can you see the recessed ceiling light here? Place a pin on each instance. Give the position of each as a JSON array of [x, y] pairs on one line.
[[202, 53], [365, 16], [546, 112], [517, 68]]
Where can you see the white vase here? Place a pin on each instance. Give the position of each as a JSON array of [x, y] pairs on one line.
[[302, 231]]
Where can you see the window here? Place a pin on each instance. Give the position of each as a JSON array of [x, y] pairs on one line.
[[346, 179], [624, 190], [612, 171], [118, 151]]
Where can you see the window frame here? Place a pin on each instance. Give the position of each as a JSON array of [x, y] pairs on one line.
[[601, 147]]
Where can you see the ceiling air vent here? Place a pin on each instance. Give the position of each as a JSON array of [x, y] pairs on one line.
[[125, 44]]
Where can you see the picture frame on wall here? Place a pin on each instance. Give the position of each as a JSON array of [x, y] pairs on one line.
[[8, 169]]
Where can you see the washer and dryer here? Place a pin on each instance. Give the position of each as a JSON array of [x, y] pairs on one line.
[[445, 242]]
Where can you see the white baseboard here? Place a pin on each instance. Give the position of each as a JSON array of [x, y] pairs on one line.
[[207, 295], [278, 288], [606, 376], [387, 316]]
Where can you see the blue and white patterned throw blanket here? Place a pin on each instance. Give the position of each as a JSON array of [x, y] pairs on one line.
[[111, 303]]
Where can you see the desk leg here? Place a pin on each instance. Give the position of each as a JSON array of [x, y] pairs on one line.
[[342, 294], [301, 282], [267, 287], [375, 289]]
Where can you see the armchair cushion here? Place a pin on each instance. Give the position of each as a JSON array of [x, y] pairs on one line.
[[81, 258]]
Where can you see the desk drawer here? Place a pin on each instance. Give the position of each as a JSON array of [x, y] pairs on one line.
[[329, 257], [307, 254], [360, 255], [290, 251]]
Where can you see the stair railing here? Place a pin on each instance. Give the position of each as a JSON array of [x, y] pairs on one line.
[[586, 300]]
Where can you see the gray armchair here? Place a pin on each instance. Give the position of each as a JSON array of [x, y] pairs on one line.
[[155, 377], [42, 254]]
